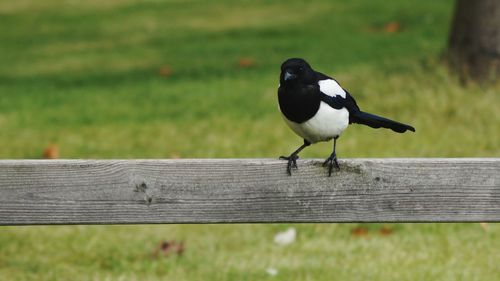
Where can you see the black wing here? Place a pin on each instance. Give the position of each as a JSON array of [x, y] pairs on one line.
[[358, 116]]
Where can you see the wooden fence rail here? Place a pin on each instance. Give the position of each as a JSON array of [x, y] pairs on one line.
[[247, 190]]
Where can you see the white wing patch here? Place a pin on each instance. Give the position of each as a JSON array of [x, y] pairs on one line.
[[331, 88]]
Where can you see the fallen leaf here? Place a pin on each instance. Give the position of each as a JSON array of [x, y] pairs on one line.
[[285, 237], [392, 27], [359, 231], [484, 226], [51, 152], [167, 248], [165, 71], [385, 230], [246, 63], [175, 156]]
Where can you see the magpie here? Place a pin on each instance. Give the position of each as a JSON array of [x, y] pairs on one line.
[[318, 109]]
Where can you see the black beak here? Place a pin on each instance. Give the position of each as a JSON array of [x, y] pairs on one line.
[[289, 76]]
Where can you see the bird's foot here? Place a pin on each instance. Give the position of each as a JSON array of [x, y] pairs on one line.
[[331, 162], [292, 162]]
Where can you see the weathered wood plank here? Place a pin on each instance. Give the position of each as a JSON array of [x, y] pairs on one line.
[[247, 190]]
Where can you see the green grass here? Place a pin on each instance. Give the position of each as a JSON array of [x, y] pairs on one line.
[[84, 75], [244, 252]]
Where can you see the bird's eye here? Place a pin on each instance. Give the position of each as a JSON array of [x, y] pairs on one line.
[[301, 68]]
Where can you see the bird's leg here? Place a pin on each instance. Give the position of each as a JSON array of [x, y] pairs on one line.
[[292, 159], [332, 160]]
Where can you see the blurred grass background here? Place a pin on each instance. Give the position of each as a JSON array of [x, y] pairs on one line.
[[169, 79]]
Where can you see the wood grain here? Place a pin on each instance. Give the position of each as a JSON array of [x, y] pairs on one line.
[[247, 190]]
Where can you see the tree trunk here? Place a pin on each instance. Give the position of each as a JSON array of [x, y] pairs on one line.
[[474, 42]]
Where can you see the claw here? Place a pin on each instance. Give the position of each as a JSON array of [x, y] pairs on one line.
[[331, 161], [292, 162]]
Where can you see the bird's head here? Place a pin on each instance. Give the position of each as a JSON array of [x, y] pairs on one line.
[[296, 70]]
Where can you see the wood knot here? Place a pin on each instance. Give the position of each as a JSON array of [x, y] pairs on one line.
[[143, 187]]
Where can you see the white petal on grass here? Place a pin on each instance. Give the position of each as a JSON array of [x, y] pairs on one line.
[[272, 271], [285, 237]]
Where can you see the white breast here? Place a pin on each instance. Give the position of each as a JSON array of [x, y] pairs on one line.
[[326, 124]]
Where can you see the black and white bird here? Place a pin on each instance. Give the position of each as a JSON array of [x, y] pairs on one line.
[[318, 109]]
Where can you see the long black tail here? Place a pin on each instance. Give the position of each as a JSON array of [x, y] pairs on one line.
[[375, 121]]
